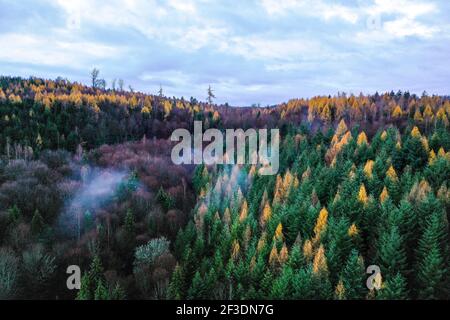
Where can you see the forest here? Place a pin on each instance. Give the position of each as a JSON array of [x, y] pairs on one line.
[[86, 179]]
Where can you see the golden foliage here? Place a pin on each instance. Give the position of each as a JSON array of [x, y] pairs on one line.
[[428, 113], [384, 195], [397, 113], [244, 211], [216, 116], [266, 215], [235, 250], [442, 116], [362, 139], [339, 292], [353, 230], [278, 190], [383, 135], [368, 168], [261, 242], [320, 262], [431, 157], [308, 250], [284, 254], [418, 116], [391, 174], [419, 191], [336, 147], [362, 195], [321, 223], [425, 145], [341, 128], [273, 257], [415, 132], [278, 236]]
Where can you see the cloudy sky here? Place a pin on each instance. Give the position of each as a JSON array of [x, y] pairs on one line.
[[250, 51]]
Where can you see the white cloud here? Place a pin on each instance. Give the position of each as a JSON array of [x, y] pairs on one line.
[[405, 8], [405, 27], [45, 51], [318, 9]]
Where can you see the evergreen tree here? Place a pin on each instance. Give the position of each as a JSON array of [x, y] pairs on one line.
[[391, 253], [176, 287], [353, 276], [394, 289]]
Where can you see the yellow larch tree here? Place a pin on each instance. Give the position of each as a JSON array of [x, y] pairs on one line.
[[235, 250], [425, 144], [384, 195], [391, 174], [278, 236], [352, 230], [428, 114], [273, 257], [362, 195], [418, 116], [362, 139], [266, 215], [278, 190], [261, 242], [339, 292], [442, 116], [397, 113], [368, 168], [284, 254], [321, 223], [341, 128], [308, 250], [244, 211], [320, 262], [431, 157], [415, 132]]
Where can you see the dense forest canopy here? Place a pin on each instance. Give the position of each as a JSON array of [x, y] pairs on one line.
[[364, 180]]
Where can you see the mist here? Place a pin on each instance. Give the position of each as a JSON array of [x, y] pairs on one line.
[[97, 188]]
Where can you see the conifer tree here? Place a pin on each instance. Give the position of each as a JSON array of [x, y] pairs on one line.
[[353, 276], [177, 284], [391, 253], [432, 268], [85, 288], [394, 288]]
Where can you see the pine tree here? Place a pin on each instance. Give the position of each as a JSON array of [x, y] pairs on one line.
[[394, 289], [96, 270], [118, 293], [85, 288], [431, 252], [353, 276], [177, 284], [391, 253], [101, 293], [430, 277], [197, 289]]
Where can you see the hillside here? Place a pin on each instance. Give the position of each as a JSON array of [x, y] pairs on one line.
[[86, 179]]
